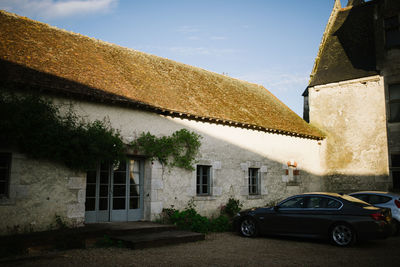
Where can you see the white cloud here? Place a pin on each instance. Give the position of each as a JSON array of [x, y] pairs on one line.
[[172, 51], [278, 80], [57, 9], [187, 29], [218, 38], [194, 38], [189, 51]]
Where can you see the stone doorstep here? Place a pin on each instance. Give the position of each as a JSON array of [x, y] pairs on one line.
[[88, 236], [117, 229], [156, 239]]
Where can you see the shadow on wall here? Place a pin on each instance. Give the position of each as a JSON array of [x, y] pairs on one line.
[[17, 77], [348, 183], [356, 36]]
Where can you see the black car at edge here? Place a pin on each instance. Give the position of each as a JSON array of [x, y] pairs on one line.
[[341, 218]]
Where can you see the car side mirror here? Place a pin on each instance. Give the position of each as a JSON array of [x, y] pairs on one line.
[[276, 208]]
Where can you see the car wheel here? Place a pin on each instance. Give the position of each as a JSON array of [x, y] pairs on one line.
[[342, 235], [248, 227]]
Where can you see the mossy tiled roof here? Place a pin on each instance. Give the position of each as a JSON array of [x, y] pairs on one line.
[[349, 49], [125, 75]]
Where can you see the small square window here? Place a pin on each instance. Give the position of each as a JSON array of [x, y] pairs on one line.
[[392, 31], [395, 159], [396, 180], [395, 171], [254, 181], [203, 180], [394, 102], [5, 165]]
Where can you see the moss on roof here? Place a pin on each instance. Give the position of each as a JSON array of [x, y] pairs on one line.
[[348, 52], [154, 81]]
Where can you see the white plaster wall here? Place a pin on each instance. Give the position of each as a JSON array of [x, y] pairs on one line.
[[223, 147], [353, 115], [40, 191]]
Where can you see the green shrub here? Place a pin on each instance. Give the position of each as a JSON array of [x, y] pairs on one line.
[[220, 224], [189, 219], [232, 207]]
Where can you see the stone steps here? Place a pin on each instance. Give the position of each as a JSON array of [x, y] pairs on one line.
[[157, 239], [129, 234]]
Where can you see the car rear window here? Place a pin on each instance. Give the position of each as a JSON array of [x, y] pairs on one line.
[[355, 201], [376, 199], [363, 197]]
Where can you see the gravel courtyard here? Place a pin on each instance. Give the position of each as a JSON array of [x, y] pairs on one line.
[[229, 249]]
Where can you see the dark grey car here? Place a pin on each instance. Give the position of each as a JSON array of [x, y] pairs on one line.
[[341, 218]]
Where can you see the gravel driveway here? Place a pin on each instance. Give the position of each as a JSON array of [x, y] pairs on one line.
[[229, 249]]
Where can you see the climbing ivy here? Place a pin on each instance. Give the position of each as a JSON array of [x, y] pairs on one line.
[[35, 126], [177, 150]]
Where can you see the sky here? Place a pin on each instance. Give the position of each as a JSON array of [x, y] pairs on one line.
[[268, 42]]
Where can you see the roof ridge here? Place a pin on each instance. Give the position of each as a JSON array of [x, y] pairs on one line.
[[331, 21]]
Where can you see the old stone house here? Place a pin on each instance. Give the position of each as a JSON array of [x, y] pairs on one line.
[[353, 95], [254, 148]]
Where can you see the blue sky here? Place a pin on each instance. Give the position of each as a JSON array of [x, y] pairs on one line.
[[268, 42]]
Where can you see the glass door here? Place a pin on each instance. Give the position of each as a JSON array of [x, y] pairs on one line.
[[97, 194], [115, 193], [135, 200]]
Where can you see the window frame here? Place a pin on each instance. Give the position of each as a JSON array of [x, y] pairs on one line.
[[200, 183], [251, 183], [389, 27], [393, 170], [6, 181], [392, 102]]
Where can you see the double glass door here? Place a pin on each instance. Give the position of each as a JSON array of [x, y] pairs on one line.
[[115, 193]]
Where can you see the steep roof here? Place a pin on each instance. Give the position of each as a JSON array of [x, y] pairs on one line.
[[347, 50], [37, 55]]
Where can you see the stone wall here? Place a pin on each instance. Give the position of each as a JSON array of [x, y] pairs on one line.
[[353, 115], [229, 150], [41, 193]]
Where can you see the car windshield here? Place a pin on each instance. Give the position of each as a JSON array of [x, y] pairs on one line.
[[355, 201]]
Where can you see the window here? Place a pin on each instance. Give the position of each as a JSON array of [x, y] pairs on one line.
[[376, 199], [315, 203], [394, 102], [203, 180], [293, 203], [323, 203], [363, 197], [395, 170], [392, 31], [254, 181], [5, 164], [333, 204]]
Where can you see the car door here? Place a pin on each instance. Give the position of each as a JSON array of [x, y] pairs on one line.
[[319, 214], [288, 217]]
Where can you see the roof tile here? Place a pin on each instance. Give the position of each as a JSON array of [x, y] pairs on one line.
[[131, 75]]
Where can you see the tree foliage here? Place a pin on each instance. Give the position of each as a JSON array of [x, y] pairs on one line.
[[35, 126], [177, 150]]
